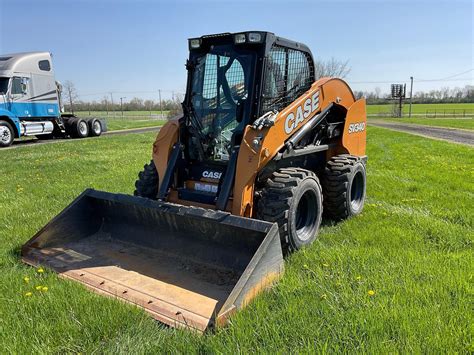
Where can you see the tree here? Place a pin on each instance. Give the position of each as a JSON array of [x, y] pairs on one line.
[[70, 94], [377, 92], [331, 67]]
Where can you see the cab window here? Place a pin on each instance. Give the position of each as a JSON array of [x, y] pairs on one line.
[[19, 86], [288, 74]]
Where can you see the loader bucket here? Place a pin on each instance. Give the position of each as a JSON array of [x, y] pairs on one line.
[[186, 266]]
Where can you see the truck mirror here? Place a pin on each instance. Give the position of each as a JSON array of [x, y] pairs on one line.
[[24, 82]]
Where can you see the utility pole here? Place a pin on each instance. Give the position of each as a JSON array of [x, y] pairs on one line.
[[411, 95], [121, 104], [161, 106]]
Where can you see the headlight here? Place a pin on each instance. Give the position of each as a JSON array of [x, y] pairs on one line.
[[239, 38], [255, 37], [194, 43]]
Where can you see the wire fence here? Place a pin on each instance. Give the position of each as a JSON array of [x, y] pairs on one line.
[[429, 113], [126, 115], [436, 113]]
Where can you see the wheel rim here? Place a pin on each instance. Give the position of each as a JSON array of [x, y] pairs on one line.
[[5, 135], [83, 128], [306, 215], [357, 190], [96, 127]]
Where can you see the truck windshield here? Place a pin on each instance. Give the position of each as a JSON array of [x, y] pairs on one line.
[[221, 80], [4, 85]]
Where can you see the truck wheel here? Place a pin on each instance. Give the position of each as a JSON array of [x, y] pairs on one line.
[[95, 127], [6, 134], [344, 186], [80, 128], [147, 182], [293, 198]]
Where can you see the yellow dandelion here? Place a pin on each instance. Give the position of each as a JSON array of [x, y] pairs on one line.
[[371, 292], [40, 270], [305, 266], [358, 277], [44, 288], [324, 296], [38, 288], [26, 279], [28, 294]]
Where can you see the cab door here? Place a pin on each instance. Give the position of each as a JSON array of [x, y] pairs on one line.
[[19, 95]]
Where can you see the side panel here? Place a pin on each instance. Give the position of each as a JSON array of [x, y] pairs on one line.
[[44, 96], [355, 129], [164, 142], [35, 109], [252, 159]]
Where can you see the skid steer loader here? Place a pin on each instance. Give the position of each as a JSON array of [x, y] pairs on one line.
[[262, 150]]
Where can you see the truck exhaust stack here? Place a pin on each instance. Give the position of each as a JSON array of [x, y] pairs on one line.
[[186, 266]]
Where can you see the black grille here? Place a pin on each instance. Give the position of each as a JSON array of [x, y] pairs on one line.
[[288, 74]]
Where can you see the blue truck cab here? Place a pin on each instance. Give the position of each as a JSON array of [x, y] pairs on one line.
[[30, 101]]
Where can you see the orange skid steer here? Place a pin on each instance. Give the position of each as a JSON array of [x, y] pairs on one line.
[[262, 150]]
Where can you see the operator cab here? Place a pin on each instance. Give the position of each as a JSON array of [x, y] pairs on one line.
[[233, 79]]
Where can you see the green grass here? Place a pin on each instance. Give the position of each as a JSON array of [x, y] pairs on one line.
[[412, 245], [467, 123], [114, 124], [421, 108], [145, 114]]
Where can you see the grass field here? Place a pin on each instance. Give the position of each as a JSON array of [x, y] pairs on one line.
[[467, 123], [114, 124], [420, 108], [412, 246], [118, 114]]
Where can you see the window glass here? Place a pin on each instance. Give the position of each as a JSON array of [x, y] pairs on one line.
[[16, 86], [4, 85], [44, 65], [287, 76], [236, 81], [209, 88]]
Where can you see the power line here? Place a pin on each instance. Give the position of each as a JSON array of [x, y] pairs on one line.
[[398, 81], [448, 78]]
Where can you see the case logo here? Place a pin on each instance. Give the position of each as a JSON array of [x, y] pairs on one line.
[[211, 174], [310, 105]]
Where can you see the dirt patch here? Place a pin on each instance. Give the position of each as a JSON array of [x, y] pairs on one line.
[[447, 134]]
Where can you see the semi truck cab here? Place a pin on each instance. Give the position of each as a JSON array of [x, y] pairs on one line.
[[30, 102]]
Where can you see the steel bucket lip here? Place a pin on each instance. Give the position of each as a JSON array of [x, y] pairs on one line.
[[243, 290]]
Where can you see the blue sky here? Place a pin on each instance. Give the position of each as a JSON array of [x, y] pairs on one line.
[[141, 46]]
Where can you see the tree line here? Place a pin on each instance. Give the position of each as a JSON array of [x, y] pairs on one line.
[[331, 67], [443, 95]]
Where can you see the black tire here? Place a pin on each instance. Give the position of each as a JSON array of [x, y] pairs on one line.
[[7, 134], [293, 198], [147, 182], [344, 186], [80, 128], [95, 127]]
